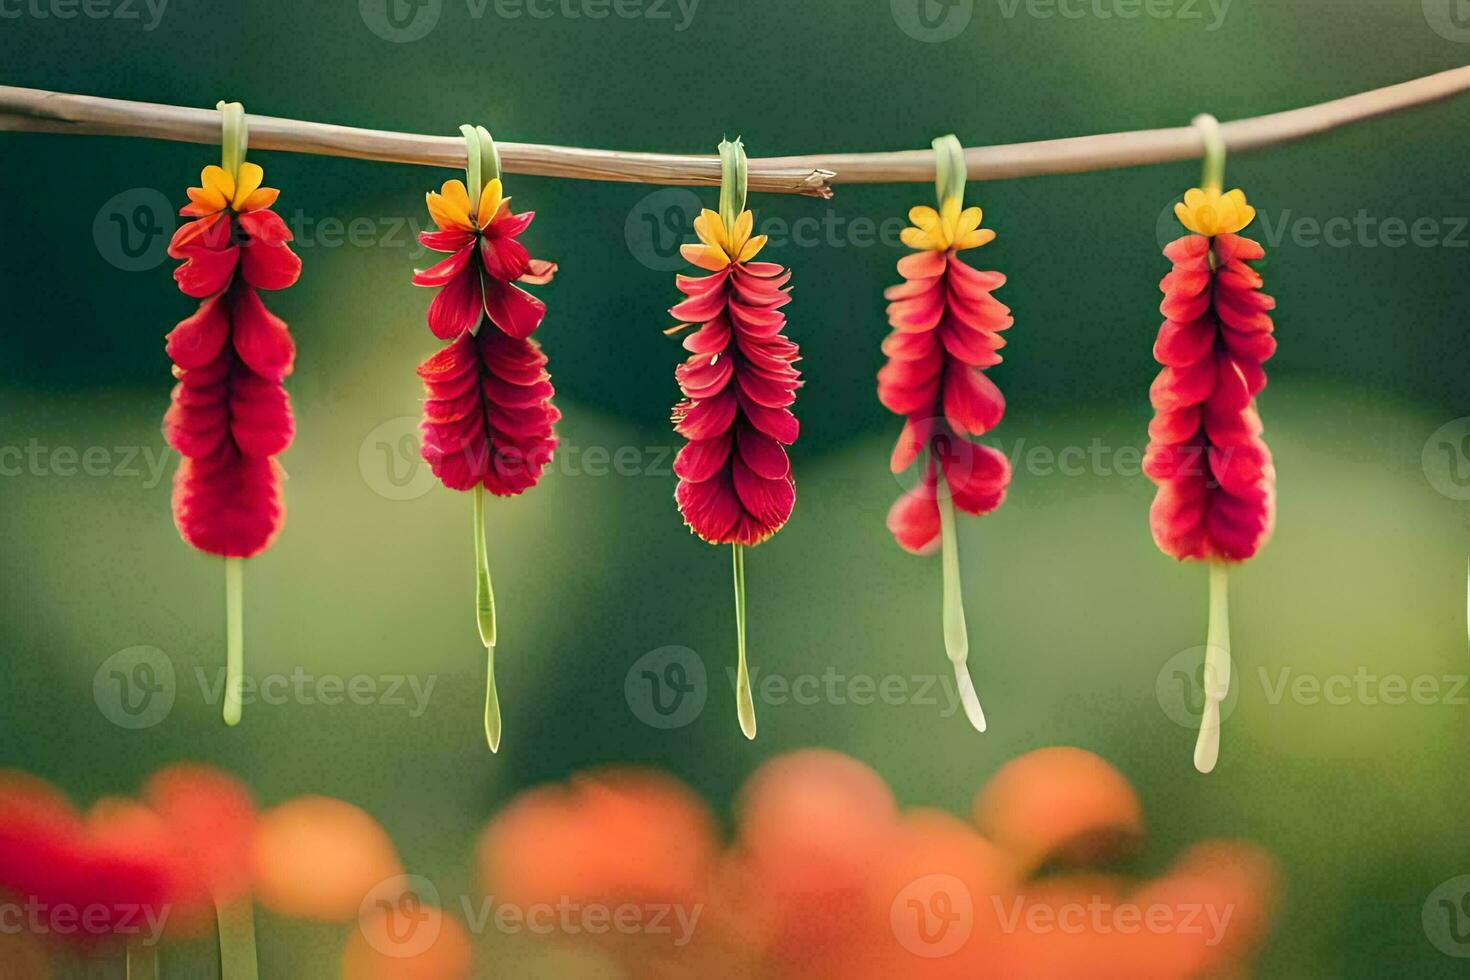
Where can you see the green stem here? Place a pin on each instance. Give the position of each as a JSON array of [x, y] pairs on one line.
[[142, 959], [950, 170], [237, 958], [734, 181], [234, 638], [485, 620], [744, 703], [1214, 173], [489, 155], [1217, 669], [235, 138], [956, 636], [472, 169]]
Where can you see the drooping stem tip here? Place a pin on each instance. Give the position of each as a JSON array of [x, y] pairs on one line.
[[234, 639], [485, 621], [1217, 669], [744, 702], [956, 635]]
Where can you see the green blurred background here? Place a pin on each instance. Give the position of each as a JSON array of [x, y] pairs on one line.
[[1075, 615]]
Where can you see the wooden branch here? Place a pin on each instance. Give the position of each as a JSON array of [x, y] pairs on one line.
[[34, 110]]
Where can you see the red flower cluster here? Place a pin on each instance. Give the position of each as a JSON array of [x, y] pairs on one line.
[[230, 415], [946, 332], [488, 417], [739, 383], [1216, 497]]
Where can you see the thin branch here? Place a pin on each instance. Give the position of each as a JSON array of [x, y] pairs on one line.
[[34, 110]]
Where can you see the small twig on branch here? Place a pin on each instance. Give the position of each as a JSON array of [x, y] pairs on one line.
[[34, 110]]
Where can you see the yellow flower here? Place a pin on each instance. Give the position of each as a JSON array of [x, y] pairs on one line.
[[219, 190], [717, 248], [945, 229], [450, 208], [1208, 212]]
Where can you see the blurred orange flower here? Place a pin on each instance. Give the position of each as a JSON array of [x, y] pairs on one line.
[[317, 858], [827, 877]]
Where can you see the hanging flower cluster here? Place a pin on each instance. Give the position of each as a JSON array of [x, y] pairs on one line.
[[946, 332], [230, 415], [739, 383], [1216, 496], [488, 418], [1216, 499]]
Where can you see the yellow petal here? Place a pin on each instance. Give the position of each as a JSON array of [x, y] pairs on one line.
[[450, 208], [218, 179], [1185, 216], [705, 256], [209, 199], [710, 229], [250, 177], [924, 218], [744, 225], [262, 198], [974, 239], [949, 219], [490, 200], [752, 248], [1194, 197], [917, 238], [970, 219]]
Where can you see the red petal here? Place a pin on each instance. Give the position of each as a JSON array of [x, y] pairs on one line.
[[710, 507], [261, 338], [512, 309], [914, 518], [198, 339], [456, 308], [441, 272], [702, 459]]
